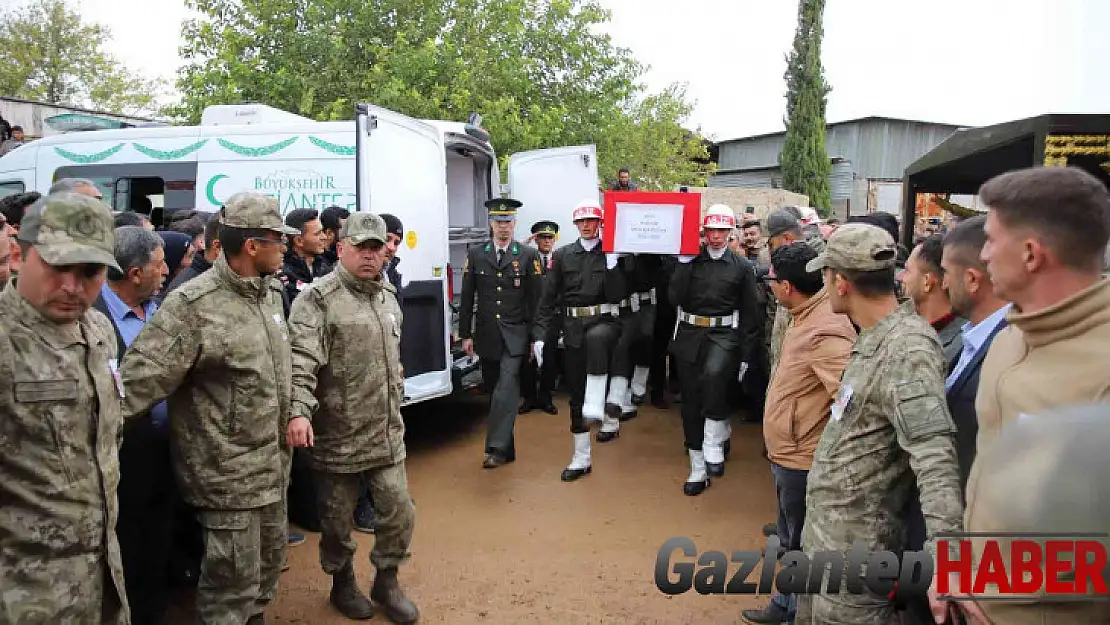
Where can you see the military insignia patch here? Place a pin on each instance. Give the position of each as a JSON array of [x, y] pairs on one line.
[[536, 265]]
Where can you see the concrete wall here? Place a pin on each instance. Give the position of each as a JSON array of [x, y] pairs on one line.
[[763, 200]]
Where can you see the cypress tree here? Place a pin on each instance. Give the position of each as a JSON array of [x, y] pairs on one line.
[[804, 160]]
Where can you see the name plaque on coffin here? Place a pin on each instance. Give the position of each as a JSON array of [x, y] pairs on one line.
[[646, 222]]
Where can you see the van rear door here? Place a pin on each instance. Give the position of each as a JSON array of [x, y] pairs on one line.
[[550, 183], [401, 170]]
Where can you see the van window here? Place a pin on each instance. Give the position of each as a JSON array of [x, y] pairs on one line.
[[155, 189], [11, 188]]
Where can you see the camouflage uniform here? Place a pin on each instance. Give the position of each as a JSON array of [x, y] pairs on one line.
[[218, 349], [60, 428], [890, 425], [347, 380], [778, 317]]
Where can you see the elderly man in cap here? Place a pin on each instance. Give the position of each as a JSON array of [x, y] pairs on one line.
[[504, 278], [218, 349], [889, 426], [538, 395], [347, 393], [58, 480]]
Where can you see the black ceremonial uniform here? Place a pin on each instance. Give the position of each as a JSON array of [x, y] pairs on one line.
[[536, 382], [507, 290], [708, 348], [580, 283]]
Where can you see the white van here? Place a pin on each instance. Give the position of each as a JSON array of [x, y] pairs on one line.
[[433, 175]]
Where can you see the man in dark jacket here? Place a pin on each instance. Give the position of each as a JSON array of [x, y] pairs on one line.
[[201, 262], [304, 260], [332, 219], [395, 230]]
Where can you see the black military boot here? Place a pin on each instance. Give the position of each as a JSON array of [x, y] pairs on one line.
[[347, 598], [391, 599]]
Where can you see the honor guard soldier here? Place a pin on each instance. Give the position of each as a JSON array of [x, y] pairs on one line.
[[539, 395], [718, 327], [588, 284], [505, 278], [632, 357]]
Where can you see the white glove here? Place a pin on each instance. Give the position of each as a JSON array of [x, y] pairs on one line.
[[537, 351], [743, 370], [611, 260], [685, 259]]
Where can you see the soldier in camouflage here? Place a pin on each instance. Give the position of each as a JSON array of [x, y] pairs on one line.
[[889, 426], [347, 393], [59, 557], [218, 349]]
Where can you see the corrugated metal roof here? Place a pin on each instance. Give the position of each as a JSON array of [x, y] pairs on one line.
[[848, 121], [877, 147]]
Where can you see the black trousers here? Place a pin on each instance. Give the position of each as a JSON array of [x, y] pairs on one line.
[[147, 505], [590, 358], [663, 330], [705, 387], [502, 381], [622, 353], [538, 383], [790, 487]]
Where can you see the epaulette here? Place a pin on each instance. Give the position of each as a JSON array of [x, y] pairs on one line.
[[198, 287], [324, 286]]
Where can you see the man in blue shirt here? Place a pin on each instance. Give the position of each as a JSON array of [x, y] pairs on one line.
[[146, 489]]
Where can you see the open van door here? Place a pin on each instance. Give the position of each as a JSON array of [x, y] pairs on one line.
[[550, 183], [401, 169]]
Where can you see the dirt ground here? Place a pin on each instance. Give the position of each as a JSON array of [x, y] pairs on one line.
[[517, 545]]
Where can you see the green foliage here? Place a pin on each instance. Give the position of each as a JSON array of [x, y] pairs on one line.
[[47, 53], [805, 161], [537, 71]]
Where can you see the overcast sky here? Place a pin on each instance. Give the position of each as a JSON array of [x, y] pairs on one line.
[[972, 62]]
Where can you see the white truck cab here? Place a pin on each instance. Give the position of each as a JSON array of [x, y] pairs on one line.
[[434, 175]]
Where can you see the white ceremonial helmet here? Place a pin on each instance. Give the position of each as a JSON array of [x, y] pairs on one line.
[[720, 217], [587, 209]]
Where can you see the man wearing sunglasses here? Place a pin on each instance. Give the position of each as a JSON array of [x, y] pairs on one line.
[[218, 349], [59, 557]]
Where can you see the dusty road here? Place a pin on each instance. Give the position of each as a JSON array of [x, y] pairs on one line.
[[517, 545]]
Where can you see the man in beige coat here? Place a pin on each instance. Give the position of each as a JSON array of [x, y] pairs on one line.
[[1047, 229]]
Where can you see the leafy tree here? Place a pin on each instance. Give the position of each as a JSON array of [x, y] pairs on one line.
[[805, 161], [536, 69], [48, 53]]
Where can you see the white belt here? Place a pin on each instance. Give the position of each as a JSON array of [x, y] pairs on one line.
[[707, 322], [593, 311]]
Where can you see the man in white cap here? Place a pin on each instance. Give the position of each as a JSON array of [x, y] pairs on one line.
[[718, 329], [587, 282]]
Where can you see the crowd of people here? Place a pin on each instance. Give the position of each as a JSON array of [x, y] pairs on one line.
[[881, 372], [221, 370], [165, 381]]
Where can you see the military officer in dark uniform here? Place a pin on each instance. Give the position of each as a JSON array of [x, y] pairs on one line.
[[536, 382], [505, 277], [587, 283], [718, 327]]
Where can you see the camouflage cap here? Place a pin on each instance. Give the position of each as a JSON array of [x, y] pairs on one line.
[[70, 229], [1046, 473], [857, 247], [254, 211], [363, 227]]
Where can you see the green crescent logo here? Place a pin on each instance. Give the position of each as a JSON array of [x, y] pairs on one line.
[[212, 187]]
